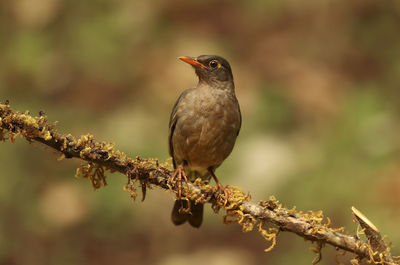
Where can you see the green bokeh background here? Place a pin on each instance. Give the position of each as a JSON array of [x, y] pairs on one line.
[[318, 84]]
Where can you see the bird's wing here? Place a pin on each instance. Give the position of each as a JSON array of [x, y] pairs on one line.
[[240, 117], [172, 123]]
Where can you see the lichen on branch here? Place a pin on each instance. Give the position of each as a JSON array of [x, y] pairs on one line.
[[267, 217]]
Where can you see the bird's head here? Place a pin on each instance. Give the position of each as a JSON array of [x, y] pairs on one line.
[[211, 69]]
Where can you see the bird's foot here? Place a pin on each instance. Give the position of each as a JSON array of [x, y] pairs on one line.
[[177, 178], [227, 193], [221, 188]]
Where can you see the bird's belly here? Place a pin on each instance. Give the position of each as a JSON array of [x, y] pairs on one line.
[[205, 140]]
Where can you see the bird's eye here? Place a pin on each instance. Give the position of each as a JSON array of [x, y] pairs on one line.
[[213, 64]]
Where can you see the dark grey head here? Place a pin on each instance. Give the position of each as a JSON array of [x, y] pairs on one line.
[[210, 68]]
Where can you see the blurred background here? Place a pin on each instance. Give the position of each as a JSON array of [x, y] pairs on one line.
[[318, 84]]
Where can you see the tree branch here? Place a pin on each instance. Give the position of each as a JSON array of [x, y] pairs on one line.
[[101, 156]]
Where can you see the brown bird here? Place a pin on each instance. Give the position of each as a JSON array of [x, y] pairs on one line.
[[203, 127]]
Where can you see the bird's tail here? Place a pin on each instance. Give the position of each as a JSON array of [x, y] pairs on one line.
[[195, 216]]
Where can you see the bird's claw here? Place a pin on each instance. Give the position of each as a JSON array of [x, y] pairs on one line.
[[178, 177], [224, 190], [227, 193]]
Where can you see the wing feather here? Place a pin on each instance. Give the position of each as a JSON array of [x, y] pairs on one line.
[[172, 124]]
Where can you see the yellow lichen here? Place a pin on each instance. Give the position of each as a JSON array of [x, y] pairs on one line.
[[317, 251], [24, 125], [269, 235], [130, 187], [93, 172], [61, 157]]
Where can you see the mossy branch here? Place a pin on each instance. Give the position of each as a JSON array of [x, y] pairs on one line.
[[268, 217]]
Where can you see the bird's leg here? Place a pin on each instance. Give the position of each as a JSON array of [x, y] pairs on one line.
[[179, 176], [219, 185]]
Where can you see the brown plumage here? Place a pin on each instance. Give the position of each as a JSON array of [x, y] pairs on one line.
[[203, 127]]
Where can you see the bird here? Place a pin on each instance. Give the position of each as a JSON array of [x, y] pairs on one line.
[[203, 127]]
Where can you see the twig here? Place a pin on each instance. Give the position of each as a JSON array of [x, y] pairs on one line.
[[101, 156], [374, 236]]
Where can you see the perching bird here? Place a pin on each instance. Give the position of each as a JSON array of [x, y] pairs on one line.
[[203, 127]]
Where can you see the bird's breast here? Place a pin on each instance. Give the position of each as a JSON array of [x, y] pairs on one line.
[[207, 127]]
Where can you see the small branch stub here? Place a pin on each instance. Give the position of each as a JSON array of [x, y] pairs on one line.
[[374, 237]]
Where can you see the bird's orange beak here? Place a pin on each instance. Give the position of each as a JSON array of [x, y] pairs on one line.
[[192, 61]]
